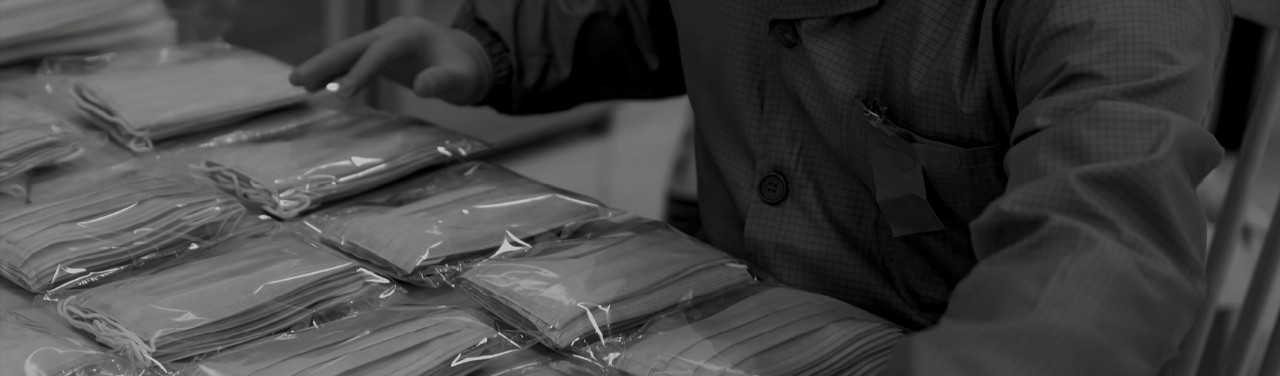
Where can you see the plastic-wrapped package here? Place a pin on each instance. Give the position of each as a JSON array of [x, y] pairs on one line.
[[17, 186], [540, 361], [420, 230], [31, 136], [97, 223], [29, 347], [389, 341], [142, 97], [287, 173], [38, 28], [755, 331], [240, 291], [577, 291]]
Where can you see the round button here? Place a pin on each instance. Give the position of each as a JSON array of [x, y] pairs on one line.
[[786, 34], [773, 188]]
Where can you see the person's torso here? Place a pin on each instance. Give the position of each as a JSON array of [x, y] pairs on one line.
[[786, 154]]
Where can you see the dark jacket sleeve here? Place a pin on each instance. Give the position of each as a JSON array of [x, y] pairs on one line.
[[550, 55], [1091, 263]]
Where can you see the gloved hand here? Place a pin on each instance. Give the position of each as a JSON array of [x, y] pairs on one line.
[[432, 60]]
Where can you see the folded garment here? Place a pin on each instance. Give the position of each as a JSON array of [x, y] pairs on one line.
[[331, 159], [31, 137], [28, 348], [124, 220], [770, 331], [456, 213], [240, 292], [387, 341], [576, 292], [35, 29], [142, 105]]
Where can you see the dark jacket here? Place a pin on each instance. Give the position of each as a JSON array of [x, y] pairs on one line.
[[1013, 178]]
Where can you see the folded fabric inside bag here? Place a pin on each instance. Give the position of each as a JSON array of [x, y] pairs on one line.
[[28, 348], [772, 331], [31, 137], [127, 218], [575, 292], [138, 106], [388, 341], [456, 213], [34, 29], [239, 292], [331, 159]]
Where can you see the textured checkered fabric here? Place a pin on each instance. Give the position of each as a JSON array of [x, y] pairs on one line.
[[1071, 137]]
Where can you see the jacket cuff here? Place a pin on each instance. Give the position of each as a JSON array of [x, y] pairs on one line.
[[498, 93]]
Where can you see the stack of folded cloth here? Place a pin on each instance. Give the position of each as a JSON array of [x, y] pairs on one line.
[[29, 348], [389, 341], [772, 331], [31, 137], [31, 29], [127, 218], [140, 105], [577, 292], [451, 215], [331, 159], [237, 293]]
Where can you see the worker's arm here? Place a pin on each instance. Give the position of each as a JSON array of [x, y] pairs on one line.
[[518, 56], [553, 54], [1092, 261]]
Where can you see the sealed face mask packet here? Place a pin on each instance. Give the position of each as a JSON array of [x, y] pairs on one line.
[[29, 347], [32, 136], [390, 341], [202, 88], [236, 293], [422, 230], [754, 331], [35, 29], [103, 222], [576, 291], [294, 171]]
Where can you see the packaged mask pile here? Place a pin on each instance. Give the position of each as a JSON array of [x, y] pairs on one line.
[[237, 293], [141, 104], [118, 220], [288, 173], [770, 331], [389, 341], [31, 136], [31, 29], [579, 291], [451, 215], [27, 347]]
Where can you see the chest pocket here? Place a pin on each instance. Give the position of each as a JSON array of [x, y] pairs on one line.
[[960, 180]]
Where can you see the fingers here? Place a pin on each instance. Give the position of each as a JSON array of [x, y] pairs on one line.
[[332, 62], [440, 81], [365, 69]]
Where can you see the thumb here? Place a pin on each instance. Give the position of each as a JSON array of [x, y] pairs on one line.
[[447, 83]]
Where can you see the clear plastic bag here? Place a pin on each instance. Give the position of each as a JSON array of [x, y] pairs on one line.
[[239, 292], [390, 341], [754, 331], [31, 347], [540, 361], [291, 171], [39, 28], [31, 136], [576, 291], [422, 230], [145, 96], [82, 227]]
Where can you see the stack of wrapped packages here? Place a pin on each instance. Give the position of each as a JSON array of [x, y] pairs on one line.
[[261, 230], [38, 28], [30, 137]]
